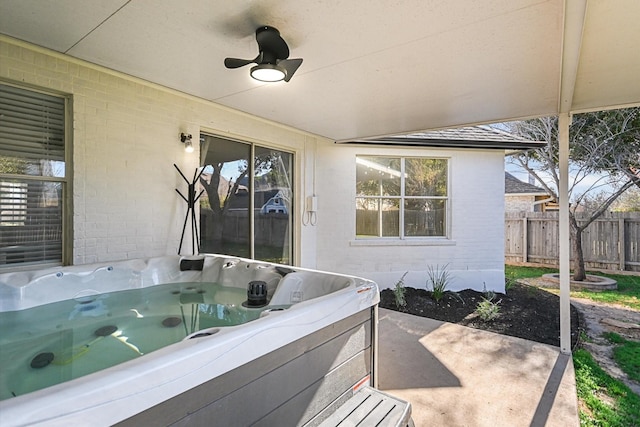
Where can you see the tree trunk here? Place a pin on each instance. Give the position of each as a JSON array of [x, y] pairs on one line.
[[215, 227], [579, 272]]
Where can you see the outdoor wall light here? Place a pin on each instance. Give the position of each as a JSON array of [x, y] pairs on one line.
[[268, 73], [186, 140]]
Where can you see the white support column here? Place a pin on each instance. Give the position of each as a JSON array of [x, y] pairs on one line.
[[564, 245]]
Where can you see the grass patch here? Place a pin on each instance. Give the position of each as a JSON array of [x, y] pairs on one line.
[[627, 294], [605, 400], [515, 272], [626, 354]]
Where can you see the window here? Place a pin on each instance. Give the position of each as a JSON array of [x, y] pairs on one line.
[[398, 197], [33, 178], [246, 207]]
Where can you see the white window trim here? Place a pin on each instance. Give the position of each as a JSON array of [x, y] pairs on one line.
[[66, 181], [403, 240], [410, 241]]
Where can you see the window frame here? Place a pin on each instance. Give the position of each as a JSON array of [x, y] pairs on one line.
[[402, 198], [254, 145], [66, 181]]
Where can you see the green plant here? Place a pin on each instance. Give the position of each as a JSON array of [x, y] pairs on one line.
[[487, 309], [626, 354], [399, 292], [614, 338], [604, 401], [439, 279], [584, 337]]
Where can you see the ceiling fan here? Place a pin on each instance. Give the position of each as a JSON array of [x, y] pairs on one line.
[[272, 62]]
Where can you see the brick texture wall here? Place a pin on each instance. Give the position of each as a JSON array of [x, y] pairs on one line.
[[519, 203], [125, 140], [474, 251]]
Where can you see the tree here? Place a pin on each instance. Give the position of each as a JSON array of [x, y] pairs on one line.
[[604, 152], [12, 165], [221, 196], [628, 202]]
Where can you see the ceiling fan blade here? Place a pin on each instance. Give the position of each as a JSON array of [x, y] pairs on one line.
[[237, 62], [269, 40], [291, 65]]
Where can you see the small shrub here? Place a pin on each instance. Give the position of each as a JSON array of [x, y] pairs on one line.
[[439, 279], [399, 291], [487, 309]]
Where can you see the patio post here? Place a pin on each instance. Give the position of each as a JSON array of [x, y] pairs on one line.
[[564, 120]]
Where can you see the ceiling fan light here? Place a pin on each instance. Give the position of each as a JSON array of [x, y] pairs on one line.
[[267, 73]]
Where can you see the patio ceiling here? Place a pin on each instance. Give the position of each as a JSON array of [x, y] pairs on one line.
[[371, 67]]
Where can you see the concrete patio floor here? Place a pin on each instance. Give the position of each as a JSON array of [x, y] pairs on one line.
[[459, 376]]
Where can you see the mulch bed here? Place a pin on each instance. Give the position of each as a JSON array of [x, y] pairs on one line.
[[525, 311]]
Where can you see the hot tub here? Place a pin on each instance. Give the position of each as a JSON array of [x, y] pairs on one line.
[[241, 342]]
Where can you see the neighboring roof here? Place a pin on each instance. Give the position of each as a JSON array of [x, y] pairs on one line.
[[513, 185], [466, 137]]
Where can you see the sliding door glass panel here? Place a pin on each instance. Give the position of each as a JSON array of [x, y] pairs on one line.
[[273, 192], [224, 205]]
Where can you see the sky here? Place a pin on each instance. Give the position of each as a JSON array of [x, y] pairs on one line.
[[583, 186]]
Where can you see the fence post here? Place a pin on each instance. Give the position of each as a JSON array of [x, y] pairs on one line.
[[622, 244], [525, 239]]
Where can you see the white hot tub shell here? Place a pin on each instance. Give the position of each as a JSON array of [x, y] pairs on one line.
[[292, 366]]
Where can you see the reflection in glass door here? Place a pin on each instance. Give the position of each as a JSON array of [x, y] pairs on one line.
[[224, 206], [239, 193], [273, 192]]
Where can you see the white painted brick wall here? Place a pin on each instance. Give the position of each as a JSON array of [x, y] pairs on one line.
[[475, 254], [519, 203], [126, 139], [125, 142]]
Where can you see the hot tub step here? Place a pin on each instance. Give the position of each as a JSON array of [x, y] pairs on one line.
[[371, 407]]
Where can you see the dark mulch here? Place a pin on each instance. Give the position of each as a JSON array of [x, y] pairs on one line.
[[525, 311]]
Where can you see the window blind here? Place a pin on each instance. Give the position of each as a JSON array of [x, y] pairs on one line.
[[32, 177], [31, 125]]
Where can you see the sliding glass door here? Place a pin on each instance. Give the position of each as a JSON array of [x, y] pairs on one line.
[[246, 206]]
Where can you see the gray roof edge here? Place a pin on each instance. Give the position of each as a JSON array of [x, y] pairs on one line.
[[481, 137], [513, 186]]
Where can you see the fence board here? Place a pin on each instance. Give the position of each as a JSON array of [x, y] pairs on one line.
[[611, 242]]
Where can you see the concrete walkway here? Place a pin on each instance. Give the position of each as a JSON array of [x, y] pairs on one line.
[[459, 376]]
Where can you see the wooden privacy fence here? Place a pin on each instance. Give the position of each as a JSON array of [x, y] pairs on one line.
[[610, 242]]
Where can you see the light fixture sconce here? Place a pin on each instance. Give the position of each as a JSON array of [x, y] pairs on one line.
[[186, 140]]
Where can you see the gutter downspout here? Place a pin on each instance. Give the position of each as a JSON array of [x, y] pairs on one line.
[[539, 202]]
